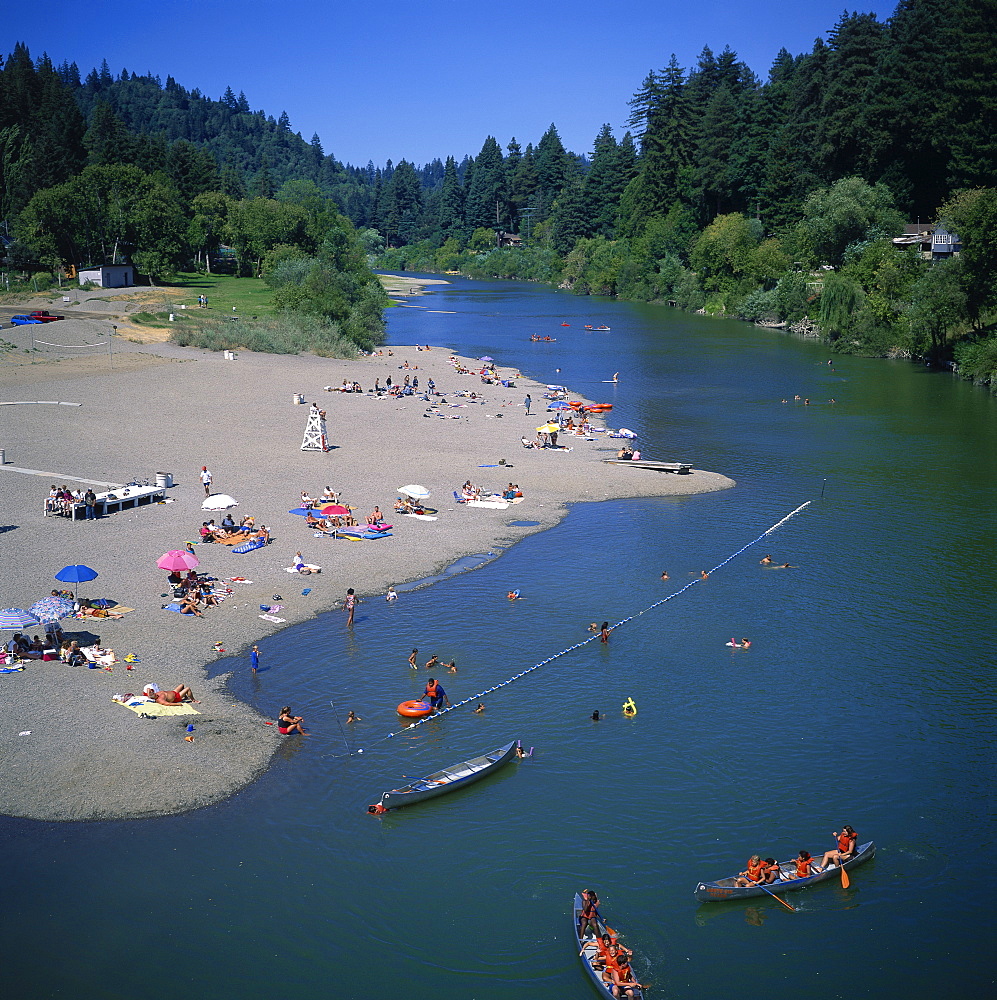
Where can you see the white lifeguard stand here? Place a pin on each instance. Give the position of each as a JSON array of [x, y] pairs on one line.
[[315, 438]]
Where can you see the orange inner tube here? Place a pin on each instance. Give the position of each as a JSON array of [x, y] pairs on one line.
[[415, 709], [599, 407]]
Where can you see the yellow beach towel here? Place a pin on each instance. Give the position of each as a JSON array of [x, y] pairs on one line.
[[152, 708]]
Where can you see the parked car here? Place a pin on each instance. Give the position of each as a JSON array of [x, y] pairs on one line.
[[23, 320], [43, 316]]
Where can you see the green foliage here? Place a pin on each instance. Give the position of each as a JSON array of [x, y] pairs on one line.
[[725, 252], [977, 360], [285, 334], [840, 300], [973, 215], [848, 212]]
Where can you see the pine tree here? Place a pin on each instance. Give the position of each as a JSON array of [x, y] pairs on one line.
[[487, 195], [106, 137], [450, 216], [553, 170], [228, 99]]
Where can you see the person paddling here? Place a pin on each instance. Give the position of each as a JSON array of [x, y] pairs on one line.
[[847, 840]]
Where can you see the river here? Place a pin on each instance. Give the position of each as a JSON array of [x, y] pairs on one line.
[[867, 697]]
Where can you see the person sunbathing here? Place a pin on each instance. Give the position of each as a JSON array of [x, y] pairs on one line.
[[177, 696], [264, 533], [188, 606], [375, 516]]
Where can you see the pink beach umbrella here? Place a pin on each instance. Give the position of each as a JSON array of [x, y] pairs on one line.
[[176, 561]]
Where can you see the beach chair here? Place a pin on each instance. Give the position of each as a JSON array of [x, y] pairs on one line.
[[458, 497]]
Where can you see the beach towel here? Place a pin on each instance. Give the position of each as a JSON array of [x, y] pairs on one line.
[[139, 704], [308, 566], [254, 543], [172, 607], [10, 670], [272, 618]]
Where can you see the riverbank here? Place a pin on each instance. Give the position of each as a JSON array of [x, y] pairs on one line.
[[165, 408]]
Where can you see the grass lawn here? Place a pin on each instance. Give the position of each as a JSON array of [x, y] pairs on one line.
[[250, 296]]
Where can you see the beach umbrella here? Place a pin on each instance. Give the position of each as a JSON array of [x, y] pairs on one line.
[[76, 574], [218, 501], [548, 428], [486, 358], [413, 491], [17, 618], [336, 508], [177, 561], [559, 406], [52, 608]]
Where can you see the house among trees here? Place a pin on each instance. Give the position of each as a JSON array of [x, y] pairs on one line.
[[932, 242], [504, 239], [108, 275]]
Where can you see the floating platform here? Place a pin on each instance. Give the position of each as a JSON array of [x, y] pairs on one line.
[[681, 468]]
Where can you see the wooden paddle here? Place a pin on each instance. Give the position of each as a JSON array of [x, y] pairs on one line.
[[845, 880], [788, 906]]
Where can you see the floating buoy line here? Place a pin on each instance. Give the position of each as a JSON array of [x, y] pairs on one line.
[[584, 642]]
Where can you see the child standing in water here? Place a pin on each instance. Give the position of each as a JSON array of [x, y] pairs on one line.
[[604, 632], [350, 605]]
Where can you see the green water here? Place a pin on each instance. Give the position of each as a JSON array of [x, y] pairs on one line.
[[866, 698]]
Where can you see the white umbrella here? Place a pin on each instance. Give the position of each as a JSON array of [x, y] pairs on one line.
[[219, 501], [413, 491]]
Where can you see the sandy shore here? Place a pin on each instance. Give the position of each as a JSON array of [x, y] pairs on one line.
[[169, 409]]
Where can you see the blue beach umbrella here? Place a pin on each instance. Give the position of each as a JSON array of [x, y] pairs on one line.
[[559, 406], [76, 574], [51, 609], [16, 618]]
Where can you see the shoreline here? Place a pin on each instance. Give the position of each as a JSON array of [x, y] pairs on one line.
[[174, 409]]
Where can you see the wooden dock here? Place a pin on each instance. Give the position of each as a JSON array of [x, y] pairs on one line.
[[680, 468]]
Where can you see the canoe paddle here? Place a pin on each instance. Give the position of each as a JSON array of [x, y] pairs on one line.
[[788, 906], [845, 880]]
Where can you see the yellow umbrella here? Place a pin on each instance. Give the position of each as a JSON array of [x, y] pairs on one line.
[[548, 428]]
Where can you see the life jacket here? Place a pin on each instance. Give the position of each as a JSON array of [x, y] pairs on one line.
[[432, 690], [755, 871], [589, 908], [803, 867], [771, 868], [845, 841]]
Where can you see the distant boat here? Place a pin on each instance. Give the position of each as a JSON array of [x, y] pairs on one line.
[[447, 780], [603, 329], [588, 326], [565, 324]]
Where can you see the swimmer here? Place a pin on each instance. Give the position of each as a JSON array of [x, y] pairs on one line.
[[391, 595], [522, 754], [411, 659], [784, 566], [451, 666], [432, 661], [703, 575], [745, 643], [664, 576], [604, 632], [765, 561], [594, 627], [796, 398], [479, 709], [595, 716], [513, 595], [353, 717], [806, 402]]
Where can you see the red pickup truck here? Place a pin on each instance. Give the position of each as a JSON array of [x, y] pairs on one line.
[[44, 317]]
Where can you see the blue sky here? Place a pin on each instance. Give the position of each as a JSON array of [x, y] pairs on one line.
[[417, 80]]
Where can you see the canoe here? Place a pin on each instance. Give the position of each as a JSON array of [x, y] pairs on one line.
[[724, 889], [589, 949], [448, 780]]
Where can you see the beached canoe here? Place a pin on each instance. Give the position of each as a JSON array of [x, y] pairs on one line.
[[448, 780], [588, 950], [725, 888]]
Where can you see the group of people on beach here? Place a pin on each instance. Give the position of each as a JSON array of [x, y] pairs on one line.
[[194, 591], [63, 500], [228, 530], [765, 871]]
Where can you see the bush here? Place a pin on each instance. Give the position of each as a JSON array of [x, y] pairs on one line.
[[977, 360], [284, 334], [759, 306]]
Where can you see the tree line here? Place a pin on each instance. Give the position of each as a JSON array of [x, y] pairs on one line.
[[773, 200]]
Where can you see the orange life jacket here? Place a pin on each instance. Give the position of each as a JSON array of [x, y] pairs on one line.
[[431, 689], [755, 871], [803, 867], [845, 841]]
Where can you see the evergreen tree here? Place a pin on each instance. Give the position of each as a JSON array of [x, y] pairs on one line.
[[106, 137], [450, 216], [487, 195], [554, 170], [263, 185]]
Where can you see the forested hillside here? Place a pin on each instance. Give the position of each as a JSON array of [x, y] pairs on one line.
[[775, 200]]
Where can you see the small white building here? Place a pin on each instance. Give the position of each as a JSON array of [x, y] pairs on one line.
[[108, 275]]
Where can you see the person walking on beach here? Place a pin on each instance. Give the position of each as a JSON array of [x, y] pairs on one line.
[[206, 480], [527, 403], [254, 658], [350, 606]]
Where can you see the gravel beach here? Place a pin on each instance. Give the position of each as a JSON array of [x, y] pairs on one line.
[[162, 408]]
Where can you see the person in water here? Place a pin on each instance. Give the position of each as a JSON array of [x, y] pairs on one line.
[[847, 840], [432, 661], [435, 694], [595, 716], [752, 875], [480, 708], [412, 659], [664, 576], [604, 633], [766, 560], [287, 723], [353, 717]]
